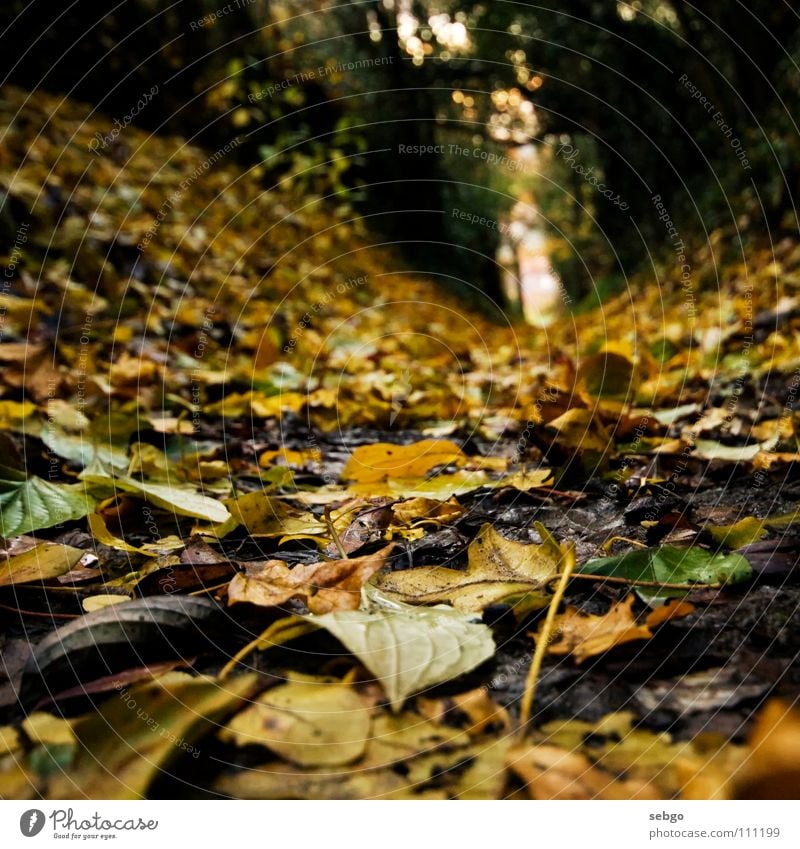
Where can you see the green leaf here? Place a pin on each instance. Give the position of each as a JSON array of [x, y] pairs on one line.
[[180, 500], [407, 648], [30, 503], [670, 565]]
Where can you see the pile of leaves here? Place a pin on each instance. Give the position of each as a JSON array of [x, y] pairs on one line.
[[280, 518]]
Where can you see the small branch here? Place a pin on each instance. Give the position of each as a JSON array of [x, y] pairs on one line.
[[659, 585], [532, 678], [334, 533], [39, 614]]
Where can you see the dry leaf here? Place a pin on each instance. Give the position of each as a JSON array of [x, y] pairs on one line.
[[325, 587]]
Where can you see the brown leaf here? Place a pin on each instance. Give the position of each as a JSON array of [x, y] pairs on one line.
[[587, 635], [327, 586]]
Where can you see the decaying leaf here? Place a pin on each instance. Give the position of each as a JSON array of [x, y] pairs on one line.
[[153, 724], [308, 722], [584, 636], [498, 569], [327, 586], [47, 560]]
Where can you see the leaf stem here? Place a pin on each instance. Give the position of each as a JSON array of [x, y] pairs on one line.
[[532, 678], [334, 533]]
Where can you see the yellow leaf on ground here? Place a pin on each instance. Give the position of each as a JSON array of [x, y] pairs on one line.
[[421, 510], [378, 462], [48, 560], [772, 767], [310, 723], [497, 569]]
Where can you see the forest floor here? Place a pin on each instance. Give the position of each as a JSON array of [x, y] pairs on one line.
[[282, 518]]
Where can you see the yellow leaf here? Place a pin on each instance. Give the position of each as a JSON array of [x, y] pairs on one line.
[[497, 569], [307, 722], [46, 561], [378, 462], [97, 602]]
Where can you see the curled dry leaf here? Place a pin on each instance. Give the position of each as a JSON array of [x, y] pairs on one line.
[[498, 569], [327, 586]]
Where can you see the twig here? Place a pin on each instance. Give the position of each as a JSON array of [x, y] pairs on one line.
[[532, 678], [40, 614], [334, 533], [635, 582]]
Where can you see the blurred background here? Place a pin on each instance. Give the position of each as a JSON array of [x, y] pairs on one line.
[[574, 116]]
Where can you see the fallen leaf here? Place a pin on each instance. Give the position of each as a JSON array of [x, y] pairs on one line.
[[177, 500], [586, 635], [28, 503], [47, 560], [771, 769], [373, 463], [668, 564], [307, 722], [96, 602], [135, 734], [426, 510], [498, 569], [409, 649], [327, 586]]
